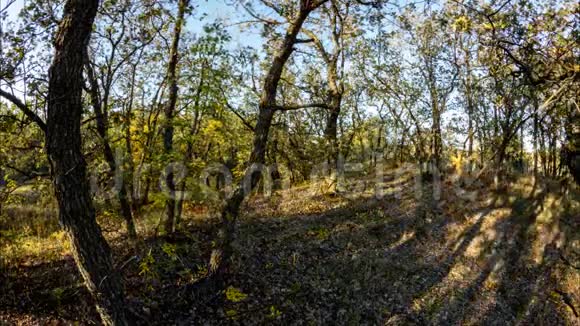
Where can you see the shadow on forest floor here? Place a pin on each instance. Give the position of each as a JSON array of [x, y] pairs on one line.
[[501, 259]]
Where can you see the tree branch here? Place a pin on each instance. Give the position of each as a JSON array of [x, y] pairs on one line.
[[375, 4], [30, 175], [318, 44], [254, 15], [244, 121], [298, 40], [20, 105], [299, 106]]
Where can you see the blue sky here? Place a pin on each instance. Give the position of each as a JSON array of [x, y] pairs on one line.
[[210, 10], [13, 9], [230, 14]]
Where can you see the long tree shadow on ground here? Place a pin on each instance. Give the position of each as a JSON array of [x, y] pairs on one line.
[[363, 263], [370, 261], [513, 274]]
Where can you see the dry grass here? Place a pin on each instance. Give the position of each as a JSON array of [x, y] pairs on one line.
[[302, 257]]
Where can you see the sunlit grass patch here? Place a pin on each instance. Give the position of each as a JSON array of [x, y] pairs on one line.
[[32, 250], [29, 230]]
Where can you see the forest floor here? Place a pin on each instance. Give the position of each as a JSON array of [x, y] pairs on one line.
[[500, 257]]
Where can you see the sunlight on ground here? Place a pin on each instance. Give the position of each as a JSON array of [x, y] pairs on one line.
[[461, 267], [491, 238], [402, 240], [488, 234], [32, 250]]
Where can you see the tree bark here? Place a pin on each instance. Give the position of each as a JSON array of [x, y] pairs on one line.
[[169, 113], [330, 134], [64, 150], [336, 91]]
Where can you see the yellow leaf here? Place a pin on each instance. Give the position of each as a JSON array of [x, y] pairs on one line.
[[457, 161], [235, 295]]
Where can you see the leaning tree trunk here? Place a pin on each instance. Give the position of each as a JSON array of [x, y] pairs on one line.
[[169, 113], [64, 148], [222, 253]]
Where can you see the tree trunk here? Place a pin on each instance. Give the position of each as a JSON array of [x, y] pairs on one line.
[[553, 154], [169, 113], [402, 149], [120, 186], [129, 143], [436, 146], [64, 148], [573, 145], [330, 134], [535, 135], [189, 152], [221, 255], [543, 150], [180, 200], [521, 159], [436, 143], [470, 109], [335, 92]]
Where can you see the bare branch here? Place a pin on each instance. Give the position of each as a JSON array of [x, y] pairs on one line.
[[300, 106], [318, 44], [244, 121], [235, 111], [22, 107], [298, 40], [263, 20]]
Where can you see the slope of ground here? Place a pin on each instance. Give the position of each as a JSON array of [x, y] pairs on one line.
[[507, 256]]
